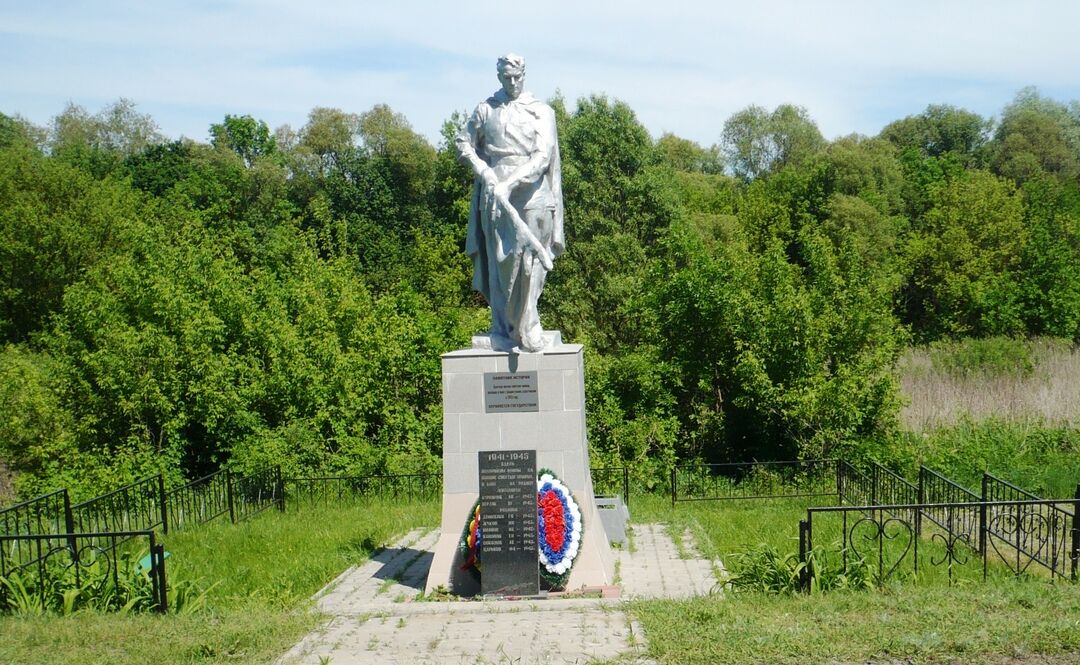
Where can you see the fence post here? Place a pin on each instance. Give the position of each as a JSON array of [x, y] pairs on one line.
[[674, 486], [161, 501], [280, 482], [804, 552], [1075, 555], [839, 483], [157, 575], [922, 501], [69, 525], [626, 486], [982, 514], [229, 496], [874, 480]]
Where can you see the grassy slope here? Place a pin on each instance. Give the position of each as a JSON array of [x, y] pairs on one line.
[[259, 575]]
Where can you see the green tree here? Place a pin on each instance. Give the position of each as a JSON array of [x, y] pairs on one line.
[[244, 135], [685, 155], [99, 143], [618, 202], [941, 129], [776, 359], [57, 221], [1050, 266], [963, 259], [329, 134], [36, 433], [757, 142], [1037, 135], [17, 131]]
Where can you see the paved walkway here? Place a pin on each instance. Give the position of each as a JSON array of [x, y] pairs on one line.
[[375, 619]]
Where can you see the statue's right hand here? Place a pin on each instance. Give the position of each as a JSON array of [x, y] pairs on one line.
[[490, 179]]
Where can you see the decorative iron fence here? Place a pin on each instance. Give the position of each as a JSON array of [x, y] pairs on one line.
[[51, 571], [875, 485], [136, 507], [146, 505], [325, 490], [888, 538], [1022, 534], [612, 481], [252, 494], [755, 480], [48, 513], [958, 515], [200, 501]]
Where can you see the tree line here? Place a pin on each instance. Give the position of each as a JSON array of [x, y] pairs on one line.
[[283, 296]]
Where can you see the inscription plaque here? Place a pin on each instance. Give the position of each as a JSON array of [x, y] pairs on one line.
[[508, 523], [510, 392]]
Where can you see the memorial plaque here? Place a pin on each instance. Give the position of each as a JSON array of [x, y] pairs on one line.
[[508, 523], [510, 392]]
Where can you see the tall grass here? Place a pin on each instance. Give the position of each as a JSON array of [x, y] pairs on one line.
[[1032, 383]]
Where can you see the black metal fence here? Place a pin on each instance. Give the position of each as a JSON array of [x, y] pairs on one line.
[[48, 513], [146, 505], [53, 552], [255, 492], [957, 513], [755, 480], [890, 540], [328, 490], [201, 500], [874, 485], [1020, 534], [136, 507], [54, 571], [888, 523]]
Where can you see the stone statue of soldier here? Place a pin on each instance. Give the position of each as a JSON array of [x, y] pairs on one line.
[[516, 215]]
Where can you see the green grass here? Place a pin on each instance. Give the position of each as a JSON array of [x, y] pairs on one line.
[[722, 528], [251, 633], [281, 558], [911, 624], [258, 577], [1040, 458], [907, 621], [261, 573]]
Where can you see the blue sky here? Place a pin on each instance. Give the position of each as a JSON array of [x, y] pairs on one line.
[[684, 67]]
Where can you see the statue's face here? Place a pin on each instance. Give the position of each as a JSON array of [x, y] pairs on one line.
[[513, 82]]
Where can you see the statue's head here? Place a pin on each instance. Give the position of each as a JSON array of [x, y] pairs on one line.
[[511, 69]]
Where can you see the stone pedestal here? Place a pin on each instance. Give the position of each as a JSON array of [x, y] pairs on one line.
[[556, 432]]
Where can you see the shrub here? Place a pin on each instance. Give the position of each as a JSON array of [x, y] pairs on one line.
[[990, 356], [765, 569]]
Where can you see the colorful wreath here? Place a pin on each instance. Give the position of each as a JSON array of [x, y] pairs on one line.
[[558, 532]]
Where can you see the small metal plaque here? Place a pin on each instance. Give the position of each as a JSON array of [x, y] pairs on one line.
[[508, 523], [510, 392]]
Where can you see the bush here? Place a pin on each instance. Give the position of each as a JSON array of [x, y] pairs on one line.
[[990, 356], [764, 569]]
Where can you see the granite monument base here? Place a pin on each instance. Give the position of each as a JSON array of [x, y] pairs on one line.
[[555, 429]]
